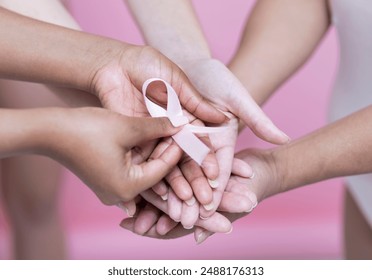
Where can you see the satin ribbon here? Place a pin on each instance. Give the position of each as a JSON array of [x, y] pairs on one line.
[[185, 138]]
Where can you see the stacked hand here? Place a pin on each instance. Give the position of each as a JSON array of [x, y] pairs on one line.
[[191, 194]]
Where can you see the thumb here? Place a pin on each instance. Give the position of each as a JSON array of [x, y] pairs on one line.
[[146, 129], [252, 115], [154, 170]]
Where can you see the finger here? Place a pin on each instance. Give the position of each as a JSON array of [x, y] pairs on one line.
[[142, 152], [241, 168], [165, 224], [129, 207], [146, 218], [235, 203], [148, 174], [198, 182], [155, 200], [215, 223], [189, 215], [201, 235], [128, 223], [225, 158], [161, 189], [235, 186], [247, 110], [177, 232], [209, 165], [180, 186], [174, 209], [146, 129], [189, 97], [242, 186]]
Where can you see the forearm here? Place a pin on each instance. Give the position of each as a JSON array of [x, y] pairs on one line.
[[22, 131], [171, 27], [278, 38], [40, 52], [52, 11], [339, 149]]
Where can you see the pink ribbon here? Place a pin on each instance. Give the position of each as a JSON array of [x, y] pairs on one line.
[[185, 138]]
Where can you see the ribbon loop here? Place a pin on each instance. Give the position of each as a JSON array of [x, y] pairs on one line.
[[185, 138]]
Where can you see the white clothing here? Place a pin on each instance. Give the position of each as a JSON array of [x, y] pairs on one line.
[[353, 86]]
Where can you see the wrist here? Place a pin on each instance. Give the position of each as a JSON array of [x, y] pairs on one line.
[[22, 132], [279, 167]]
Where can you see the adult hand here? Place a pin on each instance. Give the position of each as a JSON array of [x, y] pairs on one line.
[[154, 222], [96, 145]]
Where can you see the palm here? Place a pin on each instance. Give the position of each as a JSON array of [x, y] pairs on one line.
[[216, 83]]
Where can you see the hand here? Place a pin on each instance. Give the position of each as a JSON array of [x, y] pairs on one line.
[[265, 182], [96, 145], [118, 78], [151, 222], [216, 83], [118, 83]]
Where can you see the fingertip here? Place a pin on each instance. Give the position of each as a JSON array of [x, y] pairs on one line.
[[208, 113], [271, 133], [242, 169], [127, 223], [210, 167]]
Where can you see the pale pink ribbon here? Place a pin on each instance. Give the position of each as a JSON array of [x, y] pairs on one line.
[[185, 138]]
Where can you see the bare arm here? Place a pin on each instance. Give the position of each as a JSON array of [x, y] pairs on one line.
[[40, 52], [339, 149], [171, 27], [278, 38], [93, 143], [37, 51]]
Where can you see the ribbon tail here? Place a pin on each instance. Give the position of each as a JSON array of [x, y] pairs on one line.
[[191, 145]]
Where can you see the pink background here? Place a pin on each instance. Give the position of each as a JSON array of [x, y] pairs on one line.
[[302, 224]]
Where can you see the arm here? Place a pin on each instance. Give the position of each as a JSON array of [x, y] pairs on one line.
[[342, 148], [114, 71], [278, 38], [93, 143], [172, 27]]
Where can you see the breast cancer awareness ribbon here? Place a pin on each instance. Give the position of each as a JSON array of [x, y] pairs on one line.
[[185, 138]]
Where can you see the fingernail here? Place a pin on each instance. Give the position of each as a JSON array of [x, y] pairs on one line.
[[213, 183], [164, 197], [191, 201], [125, 209], [250, 209], [203, 218], [209, 206], [255, 205], [188, 227], [286, 136], [201, 237], [230, 231]]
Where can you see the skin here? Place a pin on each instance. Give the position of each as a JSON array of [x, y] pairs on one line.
[[278, 39], [32, 211], [172, 28], [74, 59], [93, 143], [281, 169], [108, 85]]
